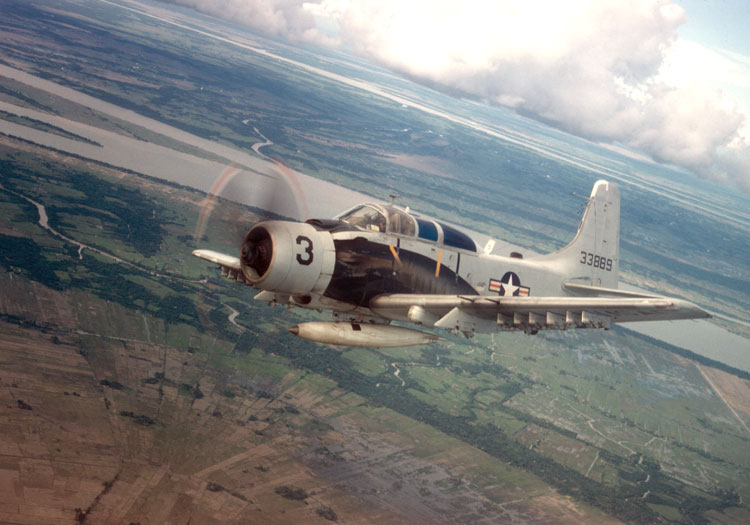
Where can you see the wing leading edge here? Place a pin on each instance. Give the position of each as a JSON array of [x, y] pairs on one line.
[[476, 313], [230, 265]]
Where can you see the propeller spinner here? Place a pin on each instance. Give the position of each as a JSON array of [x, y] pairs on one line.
[[257, 250]]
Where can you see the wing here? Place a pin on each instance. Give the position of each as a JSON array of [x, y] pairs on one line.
[[470, 313], [231, 268], [230, 265]]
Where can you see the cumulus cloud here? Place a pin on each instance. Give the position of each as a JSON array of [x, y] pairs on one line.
[[283, 18], [602, 69]]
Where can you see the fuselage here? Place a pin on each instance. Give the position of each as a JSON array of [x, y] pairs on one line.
[[397, 252]]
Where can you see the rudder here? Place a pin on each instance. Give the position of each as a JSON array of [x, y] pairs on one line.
[[593, 256]]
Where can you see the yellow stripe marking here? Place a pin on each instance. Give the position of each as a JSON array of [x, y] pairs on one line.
[[395, 254], [437, 267]]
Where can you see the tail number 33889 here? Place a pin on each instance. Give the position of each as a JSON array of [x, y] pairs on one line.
[[305, 257], [597, 261]]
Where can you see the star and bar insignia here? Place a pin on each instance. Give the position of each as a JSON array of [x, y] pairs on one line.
[[509, 285]]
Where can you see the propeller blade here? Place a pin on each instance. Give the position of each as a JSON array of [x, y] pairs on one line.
[[275, 194]]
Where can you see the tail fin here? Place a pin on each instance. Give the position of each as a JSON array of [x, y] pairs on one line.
[[593, 256]]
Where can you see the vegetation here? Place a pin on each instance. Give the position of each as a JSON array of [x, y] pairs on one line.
[[112, 384], [25, 256], [327, 513], [138, 419], [292, 493], [191, 390], [43, 126]]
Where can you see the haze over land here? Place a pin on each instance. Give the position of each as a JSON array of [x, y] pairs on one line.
[[155, 390], [607, 70]]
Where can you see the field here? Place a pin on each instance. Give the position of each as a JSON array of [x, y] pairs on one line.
[[182, 404], [213, 421]]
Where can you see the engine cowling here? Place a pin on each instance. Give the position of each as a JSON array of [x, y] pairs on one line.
[[288, 257]]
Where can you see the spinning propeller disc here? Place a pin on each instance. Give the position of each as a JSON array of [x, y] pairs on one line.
[[277, 192]]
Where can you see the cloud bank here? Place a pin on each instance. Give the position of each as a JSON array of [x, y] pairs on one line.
[[601, 69]]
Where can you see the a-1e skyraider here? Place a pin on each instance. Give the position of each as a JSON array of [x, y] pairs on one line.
[[375, 264]]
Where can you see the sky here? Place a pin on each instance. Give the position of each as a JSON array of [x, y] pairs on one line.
[[669, 78]]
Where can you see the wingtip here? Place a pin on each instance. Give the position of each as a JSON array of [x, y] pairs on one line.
[[695, 311], [202, 253]]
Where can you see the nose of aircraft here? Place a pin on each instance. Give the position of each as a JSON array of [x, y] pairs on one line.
[[257, 250]]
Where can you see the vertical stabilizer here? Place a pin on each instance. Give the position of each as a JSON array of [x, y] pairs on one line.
[[593, 256]]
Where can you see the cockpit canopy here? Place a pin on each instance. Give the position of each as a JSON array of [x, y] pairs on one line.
[[390, 219], [366, 218]]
